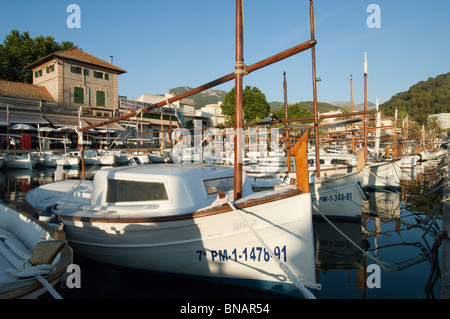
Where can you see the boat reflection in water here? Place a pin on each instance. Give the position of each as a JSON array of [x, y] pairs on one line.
[[335, 251]]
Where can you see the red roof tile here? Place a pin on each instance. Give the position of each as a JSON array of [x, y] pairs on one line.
[[24, 91], [77, 55]]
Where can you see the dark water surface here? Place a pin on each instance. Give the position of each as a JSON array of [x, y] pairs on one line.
[[397, 230]]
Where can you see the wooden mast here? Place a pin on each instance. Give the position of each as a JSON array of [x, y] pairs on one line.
[[365, 108], [316, 113], [248, 69], [238, 109], [288, 147], [351, 110]]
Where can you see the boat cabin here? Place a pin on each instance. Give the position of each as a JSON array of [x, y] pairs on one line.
[[162, 189]]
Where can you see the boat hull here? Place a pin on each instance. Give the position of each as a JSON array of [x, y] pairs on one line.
[[384, 175], [214, 243], [339, 197], [19, 162], [30, 232], [336, 196]]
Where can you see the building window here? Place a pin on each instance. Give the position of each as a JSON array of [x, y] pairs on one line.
[[100, 98], [106, 76], [78, 95], [50, 68], [37, 73], [86, 72], [75, 69], [98, 75]]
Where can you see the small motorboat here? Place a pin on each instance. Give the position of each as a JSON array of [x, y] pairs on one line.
[[33, 256]]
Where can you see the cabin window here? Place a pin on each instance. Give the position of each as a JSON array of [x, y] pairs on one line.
[[311, 162], [214, 186], [339, 161], [133, 191]]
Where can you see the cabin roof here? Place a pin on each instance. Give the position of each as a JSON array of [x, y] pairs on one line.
[[173, 170]]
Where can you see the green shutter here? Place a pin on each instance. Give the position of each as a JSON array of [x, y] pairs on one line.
[[100, 98], [106, 76], [78, 94]]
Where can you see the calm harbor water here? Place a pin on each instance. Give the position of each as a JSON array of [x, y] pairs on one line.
[[397, 231]]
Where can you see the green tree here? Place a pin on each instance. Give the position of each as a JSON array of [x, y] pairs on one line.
[[254, 102], [422, 99], [295, 111], [18, 50]]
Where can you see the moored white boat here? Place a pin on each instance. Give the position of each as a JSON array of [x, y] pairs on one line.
[[19, 161], [94, 157], [162, 217], [337, 196], [23, 244], [48, 159], [382, 175]]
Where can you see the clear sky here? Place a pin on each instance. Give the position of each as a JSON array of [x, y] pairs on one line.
[[170, 43]]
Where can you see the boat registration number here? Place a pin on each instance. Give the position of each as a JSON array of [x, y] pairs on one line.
[[248, 253], [332, 198]]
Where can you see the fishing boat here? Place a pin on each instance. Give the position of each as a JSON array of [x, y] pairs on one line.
[[32, 258], [382, 174], [200, 220], [19, 161], [337, 196], [94, 157], [48, 159], [163, 217]]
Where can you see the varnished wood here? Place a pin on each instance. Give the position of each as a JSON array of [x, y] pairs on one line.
[[299, 151]]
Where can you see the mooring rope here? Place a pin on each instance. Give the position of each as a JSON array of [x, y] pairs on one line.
[[385, 266], [18, 256]]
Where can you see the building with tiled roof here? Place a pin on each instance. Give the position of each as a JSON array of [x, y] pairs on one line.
[[77, 79], [67, 82], [18, 90]]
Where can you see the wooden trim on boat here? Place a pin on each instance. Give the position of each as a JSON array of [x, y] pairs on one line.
[[213, 211], [19, 289]]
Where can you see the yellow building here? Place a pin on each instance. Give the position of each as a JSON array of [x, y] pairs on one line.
[[77, 79]]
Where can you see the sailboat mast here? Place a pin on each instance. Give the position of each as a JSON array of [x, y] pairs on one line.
[[365, 108], [238, 110], [316, 113], [351, 110], [288, 148]]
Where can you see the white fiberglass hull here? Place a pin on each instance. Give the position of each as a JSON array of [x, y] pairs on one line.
[[338, 196], [382, 175], [19, 236], [20, 162], [213, 243], [335, 196]]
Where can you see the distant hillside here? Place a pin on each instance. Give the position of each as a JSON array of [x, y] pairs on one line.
[[422, 99], [206, 97], [356, 107], [322, 107]]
